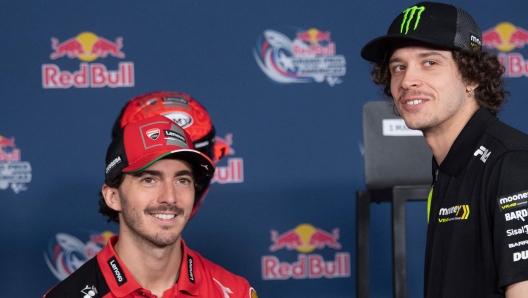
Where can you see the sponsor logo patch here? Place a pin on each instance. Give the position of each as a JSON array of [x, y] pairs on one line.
[[89, 291], [520, 243], [174, 135], [517, 215], [225, 290], [411, 16], [191, 269], [517, 256], [116, 270], [483, 153], [516, 200], [153, 133], [519, 231], [458, 212], [174, 99], [181, 118], [114, 162]]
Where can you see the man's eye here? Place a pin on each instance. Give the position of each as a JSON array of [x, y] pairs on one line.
[[398, 68], [148, 180], [429, 63], [184, 181]]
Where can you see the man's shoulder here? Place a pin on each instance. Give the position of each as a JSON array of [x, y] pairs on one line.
[[510, 137], [215, 270], [86, 278]]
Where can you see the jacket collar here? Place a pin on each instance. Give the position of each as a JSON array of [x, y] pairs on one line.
[[464, 145], [122, 283]]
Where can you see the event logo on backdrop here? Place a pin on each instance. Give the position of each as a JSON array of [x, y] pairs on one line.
[[305, 239], [87, 47], [234, 171], [309, 57], [66, 253], [13, 172], [507, 38]]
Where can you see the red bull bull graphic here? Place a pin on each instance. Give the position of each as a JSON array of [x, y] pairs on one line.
[[309, 57], [14, 173], [87, 47], [306, 238], [506, 37], [234, 171], [66, 253]]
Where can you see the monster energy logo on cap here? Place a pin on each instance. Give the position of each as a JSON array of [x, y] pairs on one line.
[[408, 16]]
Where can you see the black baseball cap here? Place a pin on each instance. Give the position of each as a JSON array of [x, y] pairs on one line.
[[438, 24]]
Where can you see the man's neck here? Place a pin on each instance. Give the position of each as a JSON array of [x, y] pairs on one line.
[[441, 138], [155, 269]]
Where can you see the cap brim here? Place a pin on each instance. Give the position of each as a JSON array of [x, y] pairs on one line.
[[376, 49], [202, 165]]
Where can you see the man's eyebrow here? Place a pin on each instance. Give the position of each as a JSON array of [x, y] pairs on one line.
[[394, 60], [147, 172], [421, 55], [183, 173], [160, 174], [429, 54]]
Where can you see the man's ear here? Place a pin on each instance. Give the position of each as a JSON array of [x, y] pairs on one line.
[[111, 197], [470, 86]]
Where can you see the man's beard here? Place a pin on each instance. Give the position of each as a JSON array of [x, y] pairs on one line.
[[133, 220]]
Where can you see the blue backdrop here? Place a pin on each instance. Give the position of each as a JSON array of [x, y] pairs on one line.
[[284, 84]]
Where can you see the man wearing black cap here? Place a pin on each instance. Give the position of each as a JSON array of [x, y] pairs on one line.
[[432, 64], [152, 172]]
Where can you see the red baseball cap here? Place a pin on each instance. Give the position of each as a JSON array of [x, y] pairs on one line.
[[140, 144]]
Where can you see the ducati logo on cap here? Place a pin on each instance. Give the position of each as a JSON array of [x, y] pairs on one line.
[[153, 133]]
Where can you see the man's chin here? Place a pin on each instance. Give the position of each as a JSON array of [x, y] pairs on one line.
[[165, 240]]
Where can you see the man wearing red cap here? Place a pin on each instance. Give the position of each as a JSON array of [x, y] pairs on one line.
[[152, 174], [432, 64]]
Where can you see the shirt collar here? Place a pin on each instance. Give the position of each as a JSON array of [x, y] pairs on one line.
[[190, 274], [122, 283], [462, 148], [113, 268]]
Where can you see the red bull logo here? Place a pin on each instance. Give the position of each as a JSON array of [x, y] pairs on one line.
[[87, 47], [234, 171], [313, 42], [506, 37], [306, 238], [13, 172], [8, 150], [309, 57]]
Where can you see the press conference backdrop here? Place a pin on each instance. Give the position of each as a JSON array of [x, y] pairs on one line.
[[284, 84]]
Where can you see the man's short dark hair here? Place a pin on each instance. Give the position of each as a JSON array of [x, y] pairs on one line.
[[475, 66]]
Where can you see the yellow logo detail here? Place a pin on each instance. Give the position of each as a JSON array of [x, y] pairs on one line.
[[466, 212]]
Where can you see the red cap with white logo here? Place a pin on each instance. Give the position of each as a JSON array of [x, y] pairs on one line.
[[140, 144]]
